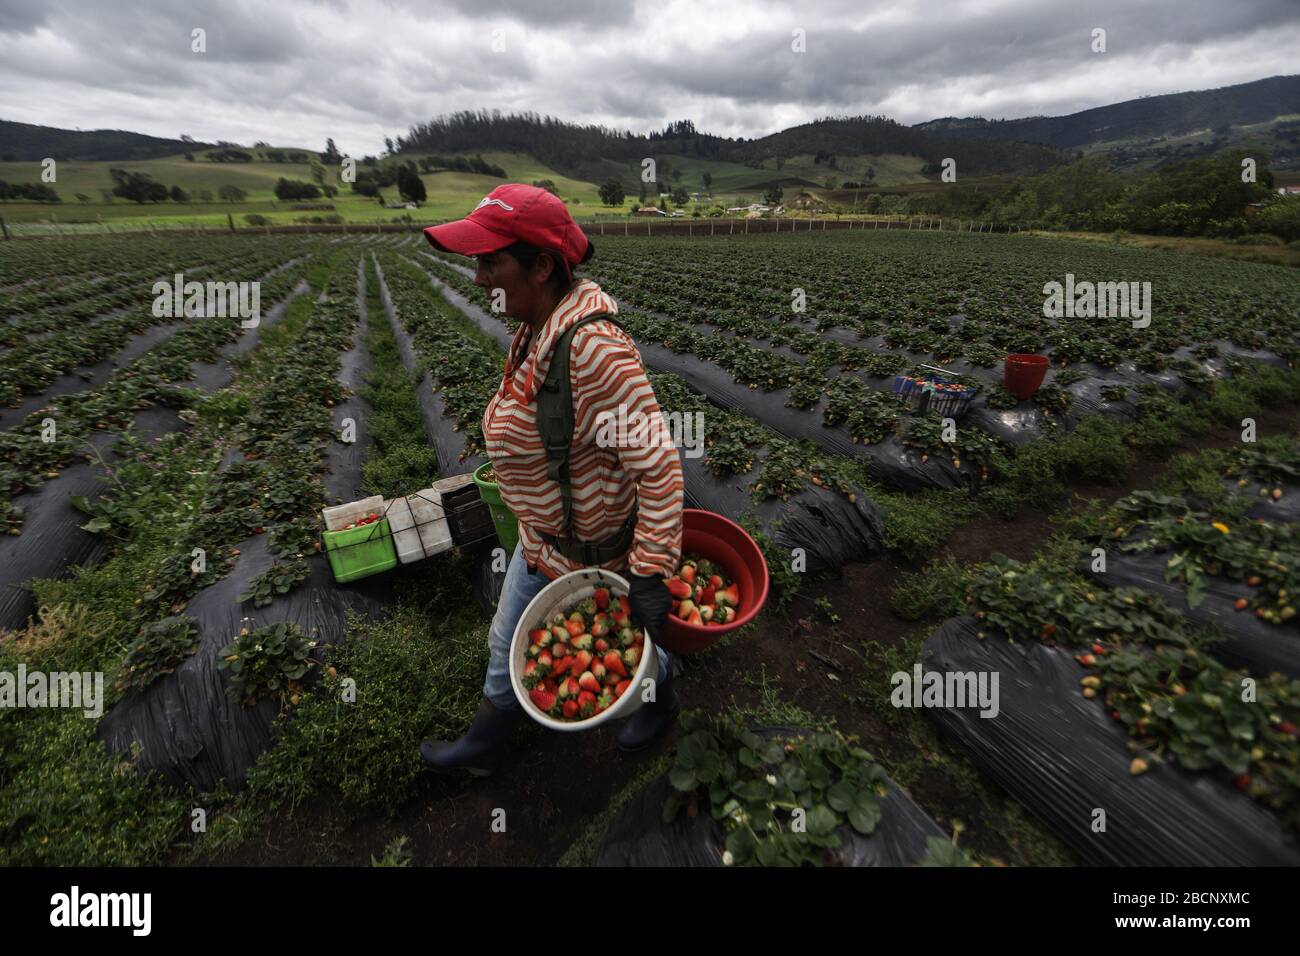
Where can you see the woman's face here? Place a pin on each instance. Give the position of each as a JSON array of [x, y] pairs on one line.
[[523, 292]]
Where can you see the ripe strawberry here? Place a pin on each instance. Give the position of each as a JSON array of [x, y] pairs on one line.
[[602, 598], [570, 708], [552, 686], [1253, 580], [600, 626], [624, 604], [583, 661], [531, 677], [638, 639], [678, 588], [588, 682], [708, 595], [1287, 727], [541, 699], [575, 628], [695, 619], [1241, 781], [1098, 649], [733, 594], [586, 703], [615, 663], [560, 649], [569, 687], [621, 687], [1087, 660], [610, 678], [687, 573], [1241, 604], [539, 636], [601, 645], [715, 581]]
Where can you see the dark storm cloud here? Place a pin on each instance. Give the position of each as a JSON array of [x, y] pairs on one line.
[[599, 14], [296, 71]]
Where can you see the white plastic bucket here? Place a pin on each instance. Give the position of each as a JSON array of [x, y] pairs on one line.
[[420, 528], [340, 516], [564, 592]]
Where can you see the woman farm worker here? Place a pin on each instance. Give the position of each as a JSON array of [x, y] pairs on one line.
[[626, 494]]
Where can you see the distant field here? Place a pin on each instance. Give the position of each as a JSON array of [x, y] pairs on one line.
[[451, 194]]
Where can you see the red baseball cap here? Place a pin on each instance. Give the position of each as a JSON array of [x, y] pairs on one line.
[[515, 213]]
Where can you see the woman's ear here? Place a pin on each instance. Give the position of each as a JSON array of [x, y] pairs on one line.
[[544, 267]]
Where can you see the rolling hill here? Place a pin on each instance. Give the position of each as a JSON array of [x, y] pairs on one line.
[[1160, 128], [24, 142]]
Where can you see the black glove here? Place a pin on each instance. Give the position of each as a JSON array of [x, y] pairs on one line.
[[650, 602]]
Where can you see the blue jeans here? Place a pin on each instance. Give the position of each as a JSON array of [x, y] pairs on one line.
[[520, 587]]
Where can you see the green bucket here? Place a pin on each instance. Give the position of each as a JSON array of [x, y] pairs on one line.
[[361, 552], [503, 519]]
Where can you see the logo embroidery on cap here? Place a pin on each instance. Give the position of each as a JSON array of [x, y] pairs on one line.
[[493, 202]]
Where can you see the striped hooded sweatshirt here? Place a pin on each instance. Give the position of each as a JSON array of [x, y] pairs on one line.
[[612, 470]]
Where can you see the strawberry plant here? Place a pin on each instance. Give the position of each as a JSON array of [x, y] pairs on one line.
[[1043, 602], [175, 580], [278, 579], [157, 650], [294, 539], [925, 433], [1179, 704], [869, 415], [780, 800], [999, 397], [266, 661], [1263, 556]]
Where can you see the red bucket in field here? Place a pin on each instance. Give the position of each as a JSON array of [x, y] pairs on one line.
[[1023, 373], [726, 544]]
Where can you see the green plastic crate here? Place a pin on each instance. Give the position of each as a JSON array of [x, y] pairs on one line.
[[361, 552]]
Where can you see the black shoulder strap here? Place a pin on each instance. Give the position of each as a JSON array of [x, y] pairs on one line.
[[555, 414]]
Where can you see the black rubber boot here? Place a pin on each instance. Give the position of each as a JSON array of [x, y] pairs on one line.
[[647, 723], [480, 750]]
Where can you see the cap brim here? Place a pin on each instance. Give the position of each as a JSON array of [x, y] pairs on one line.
[[466, 237]]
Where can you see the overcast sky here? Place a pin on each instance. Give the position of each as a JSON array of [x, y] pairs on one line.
[[295, 71]]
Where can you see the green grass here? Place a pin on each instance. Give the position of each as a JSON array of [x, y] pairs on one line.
[[451, 195]]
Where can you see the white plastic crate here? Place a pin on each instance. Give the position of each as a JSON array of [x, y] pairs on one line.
[[420, 528], [339, 516]]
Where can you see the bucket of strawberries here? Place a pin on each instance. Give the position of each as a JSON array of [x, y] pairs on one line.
[[721, 583], [577, 660]]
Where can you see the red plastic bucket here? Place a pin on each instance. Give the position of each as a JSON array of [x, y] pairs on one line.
[[726, 544], [1023, 373]]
